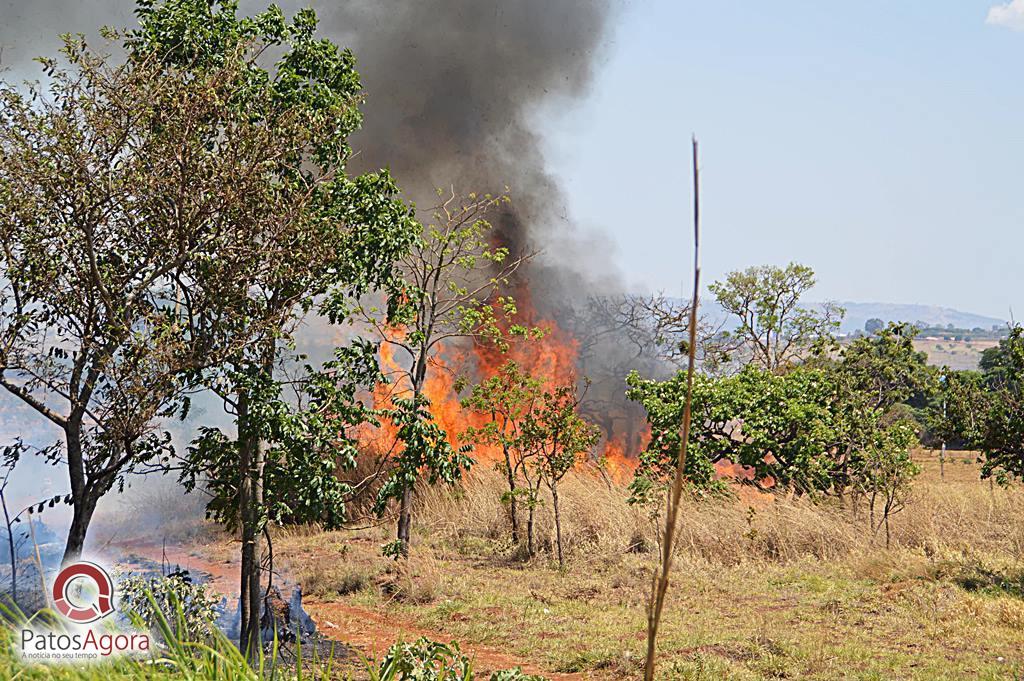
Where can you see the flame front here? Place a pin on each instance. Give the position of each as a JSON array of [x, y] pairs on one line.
[[552, 359]]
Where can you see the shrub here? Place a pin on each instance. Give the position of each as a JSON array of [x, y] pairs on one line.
[[186, 606], [424, 660]]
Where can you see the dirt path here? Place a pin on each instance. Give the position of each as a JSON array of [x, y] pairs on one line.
[[369, 631], [373, 632], [222, 575]]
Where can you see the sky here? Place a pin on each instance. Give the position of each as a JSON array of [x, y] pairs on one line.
[[878, 142]]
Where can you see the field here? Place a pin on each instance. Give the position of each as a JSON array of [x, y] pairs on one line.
[[952, 353], [763, 587]]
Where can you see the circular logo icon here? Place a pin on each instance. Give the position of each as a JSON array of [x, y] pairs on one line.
[[74, 598]]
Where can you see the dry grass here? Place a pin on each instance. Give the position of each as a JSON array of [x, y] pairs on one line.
[[958, 516], [790, 589]]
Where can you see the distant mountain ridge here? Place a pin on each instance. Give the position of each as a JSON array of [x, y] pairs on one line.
[[858, 313]]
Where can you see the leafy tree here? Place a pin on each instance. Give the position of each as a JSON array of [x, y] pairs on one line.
[[507, 398], [876, 377], [310, 435], [558, 436], [425, 450], [774, 330], [987, 410], [830, 424], [885, 473], [781, 426], [873, 325], [118, 189], [886, 367], [453, 280], [313, 230]]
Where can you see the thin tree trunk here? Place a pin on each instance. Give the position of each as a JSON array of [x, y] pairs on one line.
[[249, 611], [10, 545], [558, 522], [405, 521], [529, 531], [514, 517], [404, 534]]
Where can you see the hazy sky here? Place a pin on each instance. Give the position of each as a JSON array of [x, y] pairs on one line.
[[879, 142]]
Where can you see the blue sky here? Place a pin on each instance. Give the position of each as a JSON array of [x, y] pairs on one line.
[[879, 142]]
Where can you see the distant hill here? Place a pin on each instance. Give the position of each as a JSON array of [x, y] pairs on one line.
[[858, 313]]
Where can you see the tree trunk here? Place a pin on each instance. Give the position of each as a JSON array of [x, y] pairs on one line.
[[512, 503], [83, 507], [249, 639], [419, 374], [558, 523], [10, 545], [405, 521], [529, 531]]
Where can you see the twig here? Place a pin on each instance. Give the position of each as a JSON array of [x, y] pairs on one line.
[[660, 579], [39, 560]]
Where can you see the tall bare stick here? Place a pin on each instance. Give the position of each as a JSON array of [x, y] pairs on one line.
[[659, 585]]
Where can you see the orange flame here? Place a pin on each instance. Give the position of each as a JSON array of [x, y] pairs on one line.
[[552, 359]]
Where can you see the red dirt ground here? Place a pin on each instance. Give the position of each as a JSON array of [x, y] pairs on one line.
[[369, 631]]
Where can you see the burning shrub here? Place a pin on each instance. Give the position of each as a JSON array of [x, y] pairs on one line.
[[187, 607]]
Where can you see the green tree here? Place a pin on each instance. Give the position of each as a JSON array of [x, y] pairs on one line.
[[558, 436], [453, 281], [877, 378], [885, 473], [986, 410], [315, 231], [781, 426], [120, 189], [873, 325], [774, 330], [506, 399]]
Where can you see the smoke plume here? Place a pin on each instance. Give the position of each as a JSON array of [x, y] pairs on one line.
[[450, 85]]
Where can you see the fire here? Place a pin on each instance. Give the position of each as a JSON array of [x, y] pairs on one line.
[[552, 359]]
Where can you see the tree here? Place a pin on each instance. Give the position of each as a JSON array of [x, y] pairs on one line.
[[558, 435], [506, 399], [313, 231], [986, 410], [117, 190], [885, 473], [453, 281], [873, 325], [781, 427], [310, 435], [774, 329], [424, 451], [876, 377]]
